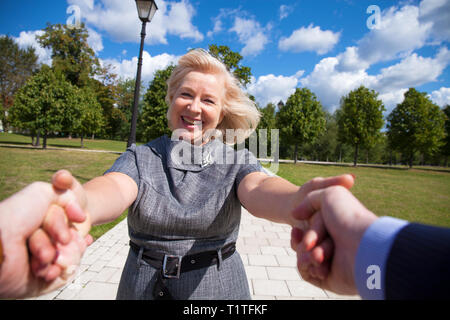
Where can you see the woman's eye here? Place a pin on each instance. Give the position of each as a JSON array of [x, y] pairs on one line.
[[209, 101], [186, 94]]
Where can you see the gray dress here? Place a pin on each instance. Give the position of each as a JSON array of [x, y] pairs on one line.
[[187, 203]]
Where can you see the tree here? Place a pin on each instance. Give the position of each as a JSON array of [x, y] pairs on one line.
[[89, 117], [446, 146], [360, 119], [125, 99], [41, 104], [267, 122], [71, 53], [232, 59], [301, 120], [153, 120], [324, 148], [16, 66], [416, 125]]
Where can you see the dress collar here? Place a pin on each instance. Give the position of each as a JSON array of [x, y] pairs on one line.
[[183, 155]]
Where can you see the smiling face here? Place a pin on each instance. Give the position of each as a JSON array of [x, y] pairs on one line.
[[197, 105]]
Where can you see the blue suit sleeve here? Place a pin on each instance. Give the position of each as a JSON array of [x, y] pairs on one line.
[[371, 257]]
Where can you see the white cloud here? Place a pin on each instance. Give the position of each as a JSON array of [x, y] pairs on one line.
[[251, 34], [127, 68], [392, 98], [349, 60], [310, 39], [438, 13], [441, 97], [28, 39], [412, 71], [217, 28], [95, 40], [285, 11], [119, 19], [399, 33], [271, 88], [330, 84]]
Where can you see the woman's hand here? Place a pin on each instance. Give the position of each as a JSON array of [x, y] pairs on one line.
[[346, 180], [21, 215], [68, 246]]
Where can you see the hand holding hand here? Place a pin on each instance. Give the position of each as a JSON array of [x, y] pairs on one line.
[[319, 183], [326, 251], [69, 247], [20, 216]]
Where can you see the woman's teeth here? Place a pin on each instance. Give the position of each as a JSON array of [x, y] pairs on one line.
[[195, 122]]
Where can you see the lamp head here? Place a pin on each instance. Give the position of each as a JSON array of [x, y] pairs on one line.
[[146, 9]]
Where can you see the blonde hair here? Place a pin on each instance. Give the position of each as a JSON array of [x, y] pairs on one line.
[[239, 111]]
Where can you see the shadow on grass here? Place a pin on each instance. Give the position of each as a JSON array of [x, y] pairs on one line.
[[18, 143], [64, 146]]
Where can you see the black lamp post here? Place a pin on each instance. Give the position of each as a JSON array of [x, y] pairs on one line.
[[146, 10]]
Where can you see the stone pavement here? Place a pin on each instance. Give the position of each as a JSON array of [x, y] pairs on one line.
[[264, 246]]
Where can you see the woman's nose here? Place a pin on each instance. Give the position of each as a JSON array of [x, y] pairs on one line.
[[195, 106]]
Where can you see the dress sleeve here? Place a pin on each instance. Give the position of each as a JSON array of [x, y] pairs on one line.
[[248, 164], [127, 163]]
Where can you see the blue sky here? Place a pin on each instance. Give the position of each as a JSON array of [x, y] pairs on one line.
[[330, 47]]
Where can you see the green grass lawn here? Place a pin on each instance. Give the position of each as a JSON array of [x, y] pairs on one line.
[[415, 195], [96, 144], [20, 167]]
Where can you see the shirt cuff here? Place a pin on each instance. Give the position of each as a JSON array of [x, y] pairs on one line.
[[371, 258]]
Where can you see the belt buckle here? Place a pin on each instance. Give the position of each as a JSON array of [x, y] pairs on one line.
[[169, 258]]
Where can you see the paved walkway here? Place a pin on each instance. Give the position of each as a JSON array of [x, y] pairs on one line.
[[264, 246]]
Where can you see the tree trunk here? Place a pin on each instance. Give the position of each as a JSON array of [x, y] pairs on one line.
[[295, 152], [411, 160], [367, 156], [32, 139], [44, 146], [38, 138], [340, 153], [355, 159], [93, 136], [82, 144], [70, 135]]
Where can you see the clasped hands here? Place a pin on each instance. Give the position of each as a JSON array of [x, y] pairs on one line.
[[44, 229]]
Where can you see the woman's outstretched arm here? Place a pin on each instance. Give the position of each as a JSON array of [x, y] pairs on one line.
[[274, 198], [103, 198]]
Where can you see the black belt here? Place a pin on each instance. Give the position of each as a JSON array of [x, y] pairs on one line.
[[171, 266]]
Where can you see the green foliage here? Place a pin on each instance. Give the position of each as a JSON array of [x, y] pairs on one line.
[[16, 66], [446, 143], [325, 146], [71, 53], [301, 120], [268, 119], [360, 119], [232, 59], [153, 120], [267, 122], [88, 117], [42, 104], [125, 98], [416, 125]]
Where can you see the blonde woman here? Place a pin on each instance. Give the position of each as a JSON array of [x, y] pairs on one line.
[[185, 193]]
